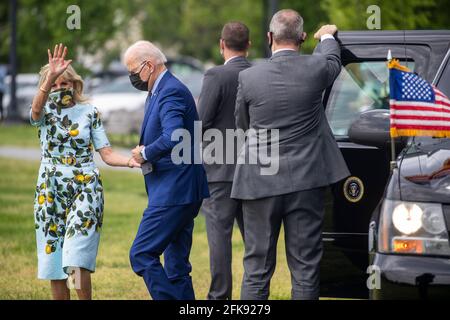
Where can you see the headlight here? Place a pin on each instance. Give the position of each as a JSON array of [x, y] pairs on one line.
[[407, 219], [433, 220], [413, 228]]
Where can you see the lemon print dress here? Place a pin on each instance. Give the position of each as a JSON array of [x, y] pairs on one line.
[[68, 209]]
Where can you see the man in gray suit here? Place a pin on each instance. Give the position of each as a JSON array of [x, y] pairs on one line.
[[285, 93], [216, 110]]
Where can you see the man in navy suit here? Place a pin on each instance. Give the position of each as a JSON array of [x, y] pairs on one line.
[[175, 191]]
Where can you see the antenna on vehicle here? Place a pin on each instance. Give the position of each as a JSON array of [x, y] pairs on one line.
[[393, 164], [389, 56]]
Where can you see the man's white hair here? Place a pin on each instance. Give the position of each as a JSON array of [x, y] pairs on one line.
[[287, 26], [145, 50]]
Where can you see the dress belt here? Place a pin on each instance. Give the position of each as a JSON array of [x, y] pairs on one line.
[[68, 160]]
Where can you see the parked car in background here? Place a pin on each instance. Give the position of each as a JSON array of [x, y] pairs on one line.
[[187, 69], [110, 90], [121, 105], [26, 86], [190, 71]]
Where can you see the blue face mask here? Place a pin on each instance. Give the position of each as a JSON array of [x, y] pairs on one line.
[[62, 98]]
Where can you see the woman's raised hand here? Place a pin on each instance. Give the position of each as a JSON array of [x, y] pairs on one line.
[[56, 62]]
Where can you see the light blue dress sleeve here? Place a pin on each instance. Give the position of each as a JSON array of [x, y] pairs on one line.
[[40, 122], [98, 133]]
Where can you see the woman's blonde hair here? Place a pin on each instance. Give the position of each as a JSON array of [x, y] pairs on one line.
[[70, 75]]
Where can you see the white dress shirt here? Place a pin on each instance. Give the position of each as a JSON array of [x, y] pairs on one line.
[[322, 38], [229, 59]]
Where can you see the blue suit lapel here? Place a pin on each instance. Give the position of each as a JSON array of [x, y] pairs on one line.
[[152, 101], [147, 114]]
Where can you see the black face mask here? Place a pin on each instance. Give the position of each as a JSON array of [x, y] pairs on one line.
[[137, 82], [270, 40]]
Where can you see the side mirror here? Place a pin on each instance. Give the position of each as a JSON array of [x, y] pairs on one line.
[[372, 128]]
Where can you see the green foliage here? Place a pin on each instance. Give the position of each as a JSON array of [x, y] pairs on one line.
[[192, 27], [397, 14], [314, 16], [42, 24]]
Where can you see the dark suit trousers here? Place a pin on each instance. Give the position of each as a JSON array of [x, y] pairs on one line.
[[220, 213], [301, 214], [165, 230]]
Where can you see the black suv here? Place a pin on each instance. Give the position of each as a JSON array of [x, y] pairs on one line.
[[400, 217]]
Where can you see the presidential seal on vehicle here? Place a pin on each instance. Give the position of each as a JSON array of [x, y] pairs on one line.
[[353, 189]]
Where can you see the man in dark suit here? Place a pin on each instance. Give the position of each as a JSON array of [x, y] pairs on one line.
[[216, 110], [175, 191], [285, 93]]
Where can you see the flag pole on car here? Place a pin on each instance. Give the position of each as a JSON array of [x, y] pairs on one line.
[[417, 108], [393, 164]]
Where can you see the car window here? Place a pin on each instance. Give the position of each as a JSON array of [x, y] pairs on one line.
[[23, 81], [181, 69], [444, 82], [193, 81], [360, 87], [119, 85]]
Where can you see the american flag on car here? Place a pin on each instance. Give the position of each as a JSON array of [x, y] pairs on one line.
[[417, 107]]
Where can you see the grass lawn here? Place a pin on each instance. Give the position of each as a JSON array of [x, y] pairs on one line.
[[25, 135], [125, 201]]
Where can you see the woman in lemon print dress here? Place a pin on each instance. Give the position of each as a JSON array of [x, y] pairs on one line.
[[68, 208]]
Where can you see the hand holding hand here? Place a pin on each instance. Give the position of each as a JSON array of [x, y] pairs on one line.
[[326, 29], [133, 164], [137, 156]]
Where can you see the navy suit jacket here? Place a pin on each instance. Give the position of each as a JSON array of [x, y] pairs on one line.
[[171, 107]]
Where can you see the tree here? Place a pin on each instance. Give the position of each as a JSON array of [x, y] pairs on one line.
[[192, 27], [42, 24], [395, 15], [313, 15]]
